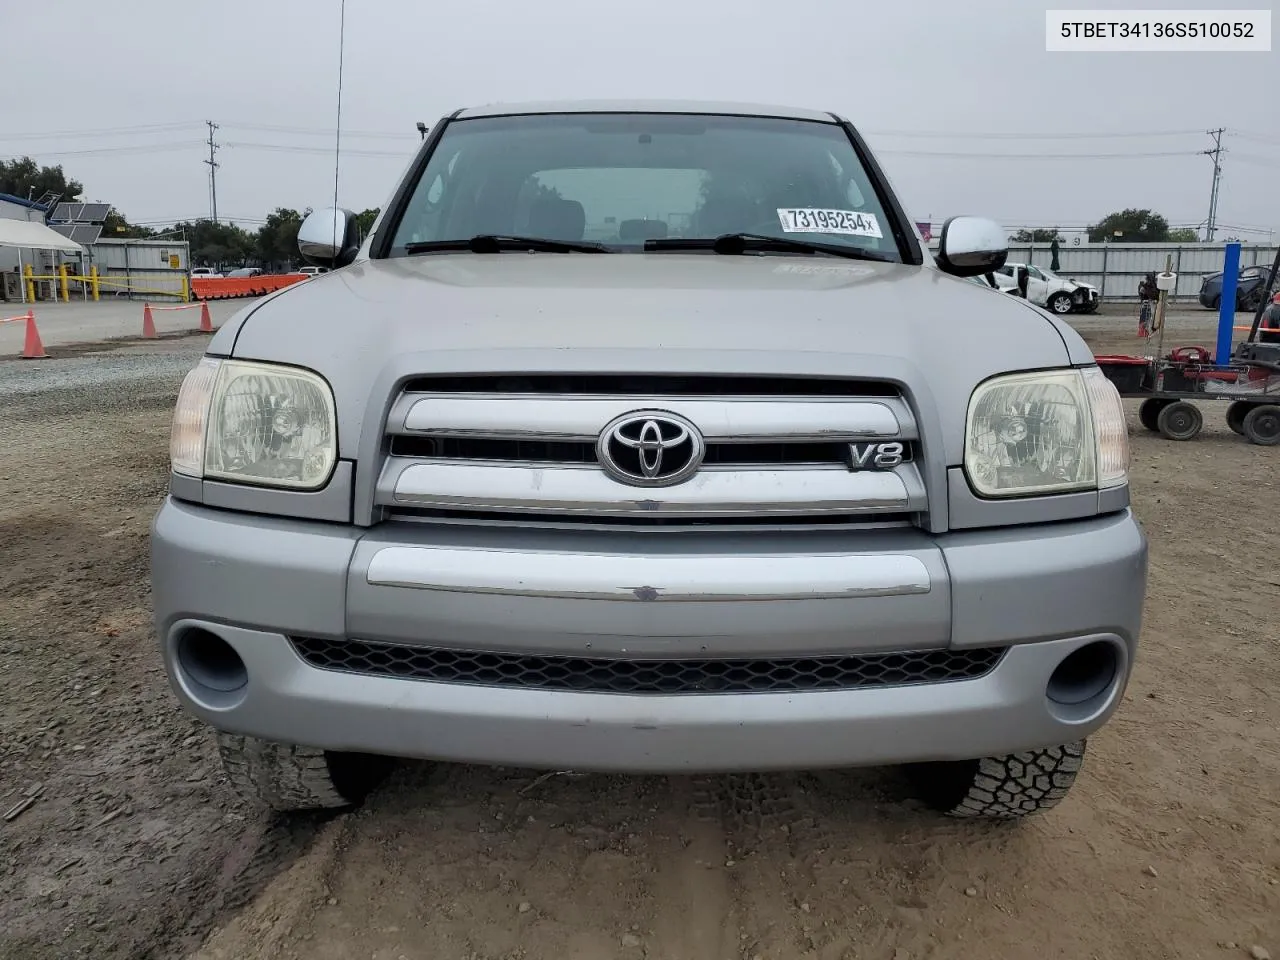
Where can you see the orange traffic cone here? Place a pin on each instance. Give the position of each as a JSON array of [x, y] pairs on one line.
[[148, 323], [206, 321], [32, 348]]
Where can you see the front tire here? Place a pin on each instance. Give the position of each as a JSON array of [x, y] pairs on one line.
[[1001, 788], [286, 778], [1060, 303]]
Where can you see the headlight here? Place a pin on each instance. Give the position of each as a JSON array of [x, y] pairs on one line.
[[1050, 432], [256, 423]]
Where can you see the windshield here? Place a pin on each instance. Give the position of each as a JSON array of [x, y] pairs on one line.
[[622, 179]]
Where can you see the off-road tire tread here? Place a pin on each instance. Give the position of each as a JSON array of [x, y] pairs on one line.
[[280, 776], [1007, 788]]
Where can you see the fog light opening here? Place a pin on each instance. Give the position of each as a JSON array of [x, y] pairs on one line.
[[210, 662], [1084, 674]]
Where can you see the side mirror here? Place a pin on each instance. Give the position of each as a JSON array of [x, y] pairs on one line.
[[329, 237], [970, 246]]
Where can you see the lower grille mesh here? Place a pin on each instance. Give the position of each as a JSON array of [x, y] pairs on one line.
[[604, 675]]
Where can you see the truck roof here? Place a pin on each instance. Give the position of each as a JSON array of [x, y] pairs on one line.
[[646, 106]]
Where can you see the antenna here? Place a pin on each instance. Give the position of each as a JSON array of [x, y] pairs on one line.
[[337, 146], [213, 172]]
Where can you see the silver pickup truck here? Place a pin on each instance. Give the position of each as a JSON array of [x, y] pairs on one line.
[[649, 437]]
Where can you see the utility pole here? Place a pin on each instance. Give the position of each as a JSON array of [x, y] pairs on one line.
[[1216, 153], [213, 171]]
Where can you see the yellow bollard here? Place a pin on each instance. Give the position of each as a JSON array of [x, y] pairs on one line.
[[31, 286], [186, 290], [93, 282], [62, 282]]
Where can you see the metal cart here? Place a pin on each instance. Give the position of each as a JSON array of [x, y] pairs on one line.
[[1249, 381]]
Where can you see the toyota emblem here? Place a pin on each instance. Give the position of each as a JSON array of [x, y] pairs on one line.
[[650, 448]]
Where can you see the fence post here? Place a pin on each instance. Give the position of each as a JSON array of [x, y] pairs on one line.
[[63, 286], [1102, 294], [186, 289], [1177, 268], [93, 281]]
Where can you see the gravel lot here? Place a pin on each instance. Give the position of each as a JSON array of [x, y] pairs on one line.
[[133, 847]]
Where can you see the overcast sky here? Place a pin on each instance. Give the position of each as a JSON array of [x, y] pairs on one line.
[[120, 100]]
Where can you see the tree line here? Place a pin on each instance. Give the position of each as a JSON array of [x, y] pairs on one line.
[[1124, 226], [272, 246]]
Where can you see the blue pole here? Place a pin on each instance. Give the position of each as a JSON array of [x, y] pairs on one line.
[[1227, 309]]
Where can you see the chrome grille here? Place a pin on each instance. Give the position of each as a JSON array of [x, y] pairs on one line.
[[526, 446], [667, 676], [571, 451]]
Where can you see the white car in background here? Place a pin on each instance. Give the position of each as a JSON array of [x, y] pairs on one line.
[[1051, 291], [204, 273], [996, 281]]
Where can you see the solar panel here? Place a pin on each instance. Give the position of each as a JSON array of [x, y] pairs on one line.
[[94, 212], [63, 228], [86, 233], [62, 211]]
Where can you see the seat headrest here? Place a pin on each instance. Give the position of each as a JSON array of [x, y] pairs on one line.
[[635, 230], [719, 215], [557, 219]]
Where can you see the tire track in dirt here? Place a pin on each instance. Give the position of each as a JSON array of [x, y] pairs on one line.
[[134, 848]]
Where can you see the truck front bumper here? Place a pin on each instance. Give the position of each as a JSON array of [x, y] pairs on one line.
[[257, 585]]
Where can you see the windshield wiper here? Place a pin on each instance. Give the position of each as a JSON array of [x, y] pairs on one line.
[[737, 243], [496, 243]]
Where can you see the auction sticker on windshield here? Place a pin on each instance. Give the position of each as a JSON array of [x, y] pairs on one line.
[[813, 220]]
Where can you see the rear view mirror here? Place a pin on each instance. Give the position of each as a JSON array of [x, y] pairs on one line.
[[970, 246], [329, 237]]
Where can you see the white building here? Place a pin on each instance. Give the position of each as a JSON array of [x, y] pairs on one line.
[[16, 208], [132, 268]]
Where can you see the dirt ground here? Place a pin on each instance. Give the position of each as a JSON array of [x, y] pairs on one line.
[[1169, 846]]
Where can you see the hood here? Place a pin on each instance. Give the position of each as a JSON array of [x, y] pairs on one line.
[[370, 325]]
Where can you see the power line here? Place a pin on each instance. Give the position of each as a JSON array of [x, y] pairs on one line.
[[140, 130], [317, 131], [965, 135], [143, 129], [1255, 137], [1253, 158], [136, 148], [298, 148], [959, 155]]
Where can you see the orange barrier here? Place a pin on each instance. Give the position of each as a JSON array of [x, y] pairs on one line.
[[149, 322], [32, 346], [223, 288]]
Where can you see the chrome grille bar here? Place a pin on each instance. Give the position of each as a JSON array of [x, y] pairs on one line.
[[721, 419], [578, 489]]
